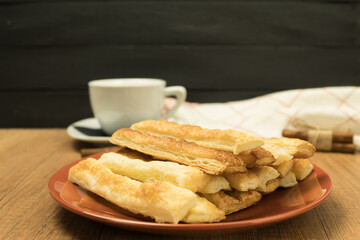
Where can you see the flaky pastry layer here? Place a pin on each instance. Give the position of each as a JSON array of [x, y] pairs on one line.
[[226, 140], [204, 212], [243, 181], [208, 160], [285, 167], [264, 174], [162, 201], [284, 149], [272, 185], [233, 201], [302, 168], [289, 180], [214, 184], [153, 171]]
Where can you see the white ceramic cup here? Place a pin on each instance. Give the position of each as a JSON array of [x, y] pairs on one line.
[[118, 103]]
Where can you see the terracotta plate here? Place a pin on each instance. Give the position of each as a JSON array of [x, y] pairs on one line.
[[280, 205]]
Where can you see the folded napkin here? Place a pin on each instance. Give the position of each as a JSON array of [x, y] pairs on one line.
[[328, 108]]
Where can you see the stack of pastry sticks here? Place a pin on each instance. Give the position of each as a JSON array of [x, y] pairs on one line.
[[184, 173]]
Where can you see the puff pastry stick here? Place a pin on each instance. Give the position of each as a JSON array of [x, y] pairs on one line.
[[284, 168], [162, 201], [227, 140], [208, 160], [214, 184], [233, 201], [243, 181], [153, 171], [263, 157], [284, 149], [248, 158], [132, 154], [264, 174], [289, 180], [204, 212], [302, 168], [272, 185], [275, 151]]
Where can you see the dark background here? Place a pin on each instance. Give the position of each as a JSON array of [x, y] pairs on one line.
[[219, 50]]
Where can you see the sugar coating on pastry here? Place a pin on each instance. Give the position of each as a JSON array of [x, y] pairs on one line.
[[208, 160], [302, 168], [264, 174], [243, 181], [227, 140], [233, 201], [162, 201], [204, 212], [289, 180]]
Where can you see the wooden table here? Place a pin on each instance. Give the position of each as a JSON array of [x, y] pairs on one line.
[[29, 157]]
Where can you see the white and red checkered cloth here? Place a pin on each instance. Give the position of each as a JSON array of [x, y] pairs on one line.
[[336, 108]]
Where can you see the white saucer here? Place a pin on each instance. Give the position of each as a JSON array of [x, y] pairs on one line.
[[88, 130]]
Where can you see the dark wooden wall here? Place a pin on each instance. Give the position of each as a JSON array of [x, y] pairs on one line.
[[221, 50]]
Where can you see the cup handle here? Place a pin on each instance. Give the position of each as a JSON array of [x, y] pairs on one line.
[[179, 92]]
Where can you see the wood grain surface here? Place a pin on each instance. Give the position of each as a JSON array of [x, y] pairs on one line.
[[29, 157]]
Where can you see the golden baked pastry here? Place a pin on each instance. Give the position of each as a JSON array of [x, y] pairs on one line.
[[275, 151], [272, 185], [264, 174], [302, 168], [162, 201], [289, 180], [233, 201], [204, 212], [153, 171], [134, 154], [227, 140], [263, 157], [214, 184], [284, 149], [162, 165], [248, 158], [208, 160], [243, 181], [285, 167]]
